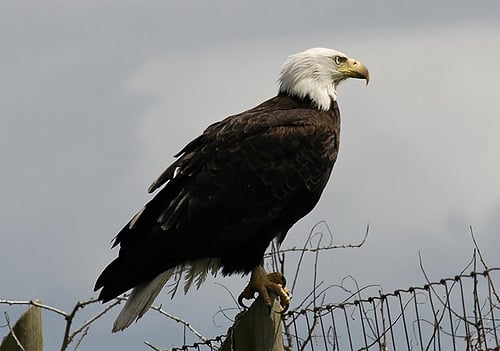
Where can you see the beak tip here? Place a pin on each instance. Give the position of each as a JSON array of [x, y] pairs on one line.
[[367, 77]]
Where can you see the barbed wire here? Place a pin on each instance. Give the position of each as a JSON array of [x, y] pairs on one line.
[[212, 344], [315, 233]]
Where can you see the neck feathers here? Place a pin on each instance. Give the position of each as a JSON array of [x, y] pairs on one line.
[[304, 77]]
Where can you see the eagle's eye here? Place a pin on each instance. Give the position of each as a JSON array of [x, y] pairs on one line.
[[339, 59]]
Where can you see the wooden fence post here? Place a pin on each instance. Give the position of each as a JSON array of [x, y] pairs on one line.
[[27, 330], [256, 329]]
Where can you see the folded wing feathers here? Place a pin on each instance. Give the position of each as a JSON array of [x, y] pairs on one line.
[[134, 219], [170, 217], [143, 295]]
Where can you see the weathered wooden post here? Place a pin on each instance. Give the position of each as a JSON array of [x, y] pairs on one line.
[[27, 330], [256, 329]]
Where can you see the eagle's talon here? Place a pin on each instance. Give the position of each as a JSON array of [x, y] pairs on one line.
[[246, 294], [262, 283], [240, 301]]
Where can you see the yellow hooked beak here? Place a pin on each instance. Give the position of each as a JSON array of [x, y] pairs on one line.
[[352, 68]]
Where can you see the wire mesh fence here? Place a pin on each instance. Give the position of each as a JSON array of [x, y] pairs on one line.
[[452, 314], [459, 313]]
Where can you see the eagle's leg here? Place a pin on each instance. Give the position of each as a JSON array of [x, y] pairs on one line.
[[262, 282]]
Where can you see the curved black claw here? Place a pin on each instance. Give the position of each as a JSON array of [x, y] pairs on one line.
[[240, 301]]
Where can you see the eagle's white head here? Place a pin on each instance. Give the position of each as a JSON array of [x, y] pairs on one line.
[[315, 73]]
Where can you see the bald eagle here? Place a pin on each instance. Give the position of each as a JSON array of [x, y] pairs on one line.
[[232, 190]]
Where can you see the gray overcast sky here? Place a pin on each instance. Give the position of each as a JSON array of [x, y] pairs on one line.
[[96, 97]]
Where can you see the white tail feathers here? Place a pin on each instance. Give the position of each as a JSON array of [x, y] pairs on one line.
[[142, 296], [140, 300]]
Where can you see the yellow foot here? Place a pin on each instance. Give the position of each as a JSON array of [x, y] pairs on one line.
[[262, 283]]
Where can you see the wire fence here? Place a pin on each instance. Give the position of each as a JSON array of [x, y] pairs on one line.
[[459, 313]]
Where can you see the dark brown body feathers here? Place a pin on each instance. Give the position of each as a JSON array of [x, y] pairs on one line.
[[245, 181]]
